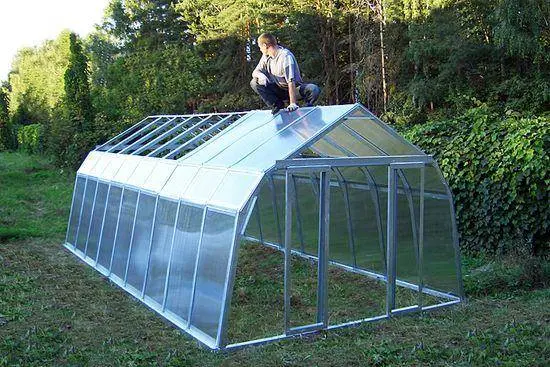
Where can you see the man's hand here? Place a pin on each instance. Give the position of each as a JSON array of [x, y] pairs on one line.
[[292, 107], [262, 79]]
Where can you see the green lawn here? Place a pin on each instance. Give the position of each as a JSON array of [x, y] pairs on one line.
[[54, 310]]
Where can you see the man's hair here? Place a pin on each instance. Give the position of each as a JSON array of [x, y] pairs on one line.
[[268, 39]]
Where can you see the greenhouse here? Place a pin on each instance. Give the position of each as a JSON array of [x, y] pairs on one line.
[[246, 228]]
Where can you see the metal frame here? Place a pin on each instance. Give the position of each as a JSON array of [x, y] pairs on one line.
[[173, 135]]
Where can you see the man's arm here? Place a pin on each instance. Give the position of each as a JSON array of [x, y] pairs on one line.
[[292, 92]]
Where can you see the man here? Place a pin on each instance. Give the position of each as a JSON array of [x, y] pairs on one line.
[[277, 77]]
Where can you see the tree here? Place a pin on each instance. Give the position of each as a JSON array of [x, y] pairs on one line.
[[77, 87], [7, 135]]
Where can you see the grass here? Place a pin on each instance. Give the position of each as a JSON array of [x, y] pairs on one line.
[[54, 310]]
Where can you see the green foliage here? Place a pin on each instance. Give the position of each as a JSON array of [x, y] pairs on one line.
[[8, 139], [77, 87], [485, 276], [36, 80], [30, 138], [498, 169]]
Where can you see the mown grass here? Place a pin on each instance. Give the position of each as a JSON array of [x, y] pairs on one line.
[[54, 310]]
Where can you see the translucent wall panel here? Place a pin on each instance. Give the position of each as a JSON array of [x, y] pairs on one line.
[[216, 246], [341, 247], [141, 241], [109, 227], [353, 145], [124, 232], [76, 207], [439, 252], [97, 220], [382, 136], [408, 220], [163, 232], [182, 265], [86, 214]]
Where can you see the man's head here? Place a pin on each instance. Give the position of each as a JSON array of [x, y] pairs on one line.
[[267, 43]]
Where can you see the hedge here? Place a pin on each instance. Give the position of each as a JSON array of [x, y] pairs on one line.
[[30, 138], [498, 170]]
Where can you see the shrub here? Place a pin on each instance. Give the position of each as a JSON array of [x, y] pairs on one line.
[[498, 170], [30, 138]]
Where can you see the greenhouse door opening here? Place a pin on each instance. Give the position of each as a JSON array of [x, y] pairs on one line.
[[291, 320]]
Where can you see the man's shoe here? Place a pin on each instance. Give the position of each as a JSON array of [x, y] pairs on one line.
[[276, 110]]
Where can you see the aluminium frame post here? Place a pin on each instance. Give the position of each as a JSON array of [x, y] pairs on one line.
[[289, 186], [421, 239], [323, 249], [392, 241]]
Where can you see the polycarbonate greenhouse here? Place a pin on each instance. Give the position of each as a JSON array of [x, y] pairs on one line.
[[174, 211]]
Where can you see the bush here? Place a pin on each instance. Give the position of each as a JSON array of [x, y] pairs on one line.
[[30, 138], [498, 170]]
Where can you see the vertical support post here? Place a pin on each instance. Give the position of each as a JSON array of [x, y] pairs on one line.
[[71, 211], [421, 239], [289, 198], [298, 214], [392, 241], [323, 249]]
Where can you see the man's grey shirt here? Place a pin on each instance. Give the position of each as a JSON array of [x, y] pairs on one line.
[[280, 69]]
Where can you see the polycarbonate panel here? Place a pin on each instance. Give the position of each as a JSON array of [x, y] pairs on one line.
[[408, 216], [204, 184], [97, 220], [99, 167], [142, 172], [127, 169], [141, 241], [89, 163], [268, 221], [306, 215], [318, 119], [124, 232], [228, 137], [109, 227], [439, 253], [216, 245], [159, 176], [111, 170], [86, 215], [279, 146], [78, 196], [383, 137], [235, 189], [184, 255], [178, 181], [325, 149], [340, 249], [163, 232], [250, 139], [352, 144]]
